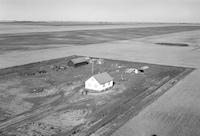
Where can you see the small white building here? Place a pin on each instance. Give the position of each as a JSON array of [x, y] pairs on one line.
[[131, 70], [99, 82]]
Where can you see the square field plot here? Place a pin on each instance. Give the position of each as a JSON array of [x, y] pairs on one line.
[[50, 98]]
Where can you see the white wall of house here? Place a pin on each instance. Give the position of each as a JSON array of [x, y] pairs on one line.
[[107, 85], [93, 84]]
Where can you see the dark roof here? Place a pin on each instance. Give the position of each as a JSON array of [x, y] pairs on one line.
[[79, 60], [103, 77]]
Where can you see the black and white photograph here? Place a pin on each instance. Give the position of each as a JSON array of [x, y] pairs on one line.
[[99, 67]]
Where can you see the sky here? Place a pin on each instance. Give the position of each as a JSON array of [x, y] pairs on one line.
[[181, 11]]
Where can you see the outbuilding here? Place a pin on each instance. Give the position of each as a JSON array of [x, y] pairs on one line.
[[78, 61], [99, 82]]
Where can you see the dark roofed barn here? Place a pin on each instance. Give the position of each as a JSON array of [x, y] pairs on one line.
[[78, 62]]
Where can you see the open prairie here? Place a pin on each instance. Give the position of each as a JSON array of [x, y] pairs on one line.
[[105, 33], [24, 27], [174, 113]]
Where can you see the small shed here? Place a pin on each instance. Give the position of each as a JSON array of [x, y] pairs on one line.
[[78, 61], [99, 82], [131, 70]]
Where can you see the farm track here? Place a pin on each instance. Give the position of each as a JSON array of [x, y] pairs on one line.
[[36, 113], [122, 113]]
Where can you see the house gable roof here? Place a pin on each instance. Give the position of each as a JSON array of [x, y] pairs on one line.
[[103, 77]]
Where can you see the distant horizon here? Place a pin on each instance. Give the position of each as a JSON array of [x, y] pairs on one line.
[[163, 11], [125, 22]]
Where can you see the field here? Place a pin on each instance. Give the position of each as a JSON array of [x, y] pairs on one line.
[[45, 40], [44, 99], [174, 113]]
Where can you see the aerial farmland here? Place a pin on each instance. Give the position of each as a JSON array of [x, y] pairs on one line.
[[41, 94]]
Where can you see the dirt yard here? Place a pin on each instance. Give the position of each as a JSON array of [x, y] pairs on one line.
[[41, 96]]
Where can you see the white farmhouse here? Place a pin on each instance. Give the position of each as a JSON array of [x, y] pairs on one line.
[[99, 82]]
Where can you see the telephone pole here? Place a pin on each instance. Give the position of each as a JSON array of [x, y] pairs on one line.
[[92, 67]]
